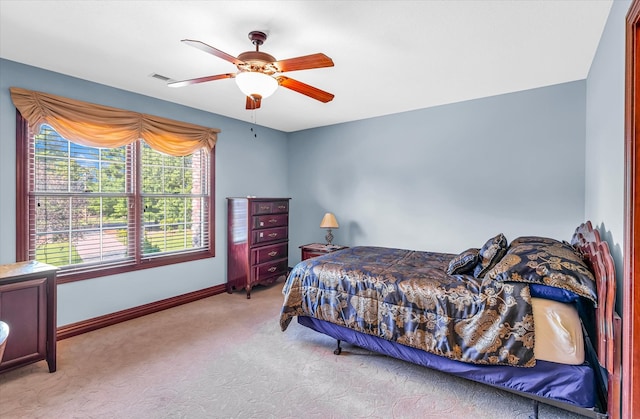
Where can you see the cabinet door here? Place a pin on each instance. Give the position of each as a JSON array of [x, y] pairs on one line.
[[23, 306]]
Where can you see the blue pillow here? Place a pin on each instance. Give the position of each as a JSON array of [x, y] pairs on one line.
[[553, 293]]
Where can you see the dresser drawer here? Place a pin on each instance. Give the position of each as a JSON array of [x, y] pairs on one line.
[[271, 220], [281, 206], [270, 207], [269, 270], [269, 235], [269, 253], [262, 208]]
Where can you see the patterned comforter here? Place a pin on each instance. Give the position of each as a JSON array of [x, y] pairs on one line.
[[406, 296]]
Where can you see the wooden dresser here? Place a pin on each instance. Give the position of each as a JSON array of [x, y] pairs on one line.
[[257, 241], [28, 306]]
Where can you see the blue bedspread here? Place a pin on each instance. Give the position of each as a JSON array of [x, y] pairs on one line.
[[406, 297]]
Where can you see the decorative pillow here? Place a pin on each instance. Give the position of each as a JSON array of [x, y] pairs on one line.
[[464, 262], [545, 241], [547, 262], [532, 240], [492, 251], [553, 293]]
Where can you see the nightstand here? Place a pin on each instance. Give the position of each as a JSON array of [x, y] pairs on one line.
[[318, 249]]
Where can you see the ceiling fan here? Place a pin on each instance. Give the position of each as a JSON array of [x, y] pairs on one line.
[[258, 72]]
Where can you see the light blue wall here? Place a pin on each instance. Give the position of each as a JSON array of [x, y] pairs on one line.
[[604, 197], [244, 166], [445, 178]]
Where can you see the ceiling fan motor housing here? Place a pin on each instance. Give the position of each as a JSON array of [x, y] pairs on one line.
[[257, 61]]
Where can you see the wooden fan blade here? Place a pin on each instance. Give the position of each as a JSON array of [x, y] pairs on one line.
[[304, 63], [213, 51], [305, 89], [254, 102], [200, 80]]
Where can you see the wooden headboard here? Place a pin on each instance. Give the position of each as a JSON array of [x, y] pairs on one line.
[[608, 322]]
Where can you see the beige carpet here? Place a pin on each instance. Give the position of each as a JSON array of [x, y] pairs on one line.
[[225, 357]]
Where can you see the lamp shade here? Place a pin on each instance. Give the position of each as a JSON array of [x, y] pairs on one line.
[[329, 221], [256, 83]]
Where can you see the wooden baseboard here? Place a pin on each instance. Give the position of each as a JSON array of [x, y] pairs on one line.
[[132, 313]]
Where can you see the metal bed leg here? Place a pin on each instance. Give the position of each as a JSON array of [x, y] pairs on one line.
[[338, 350], [535, 410]]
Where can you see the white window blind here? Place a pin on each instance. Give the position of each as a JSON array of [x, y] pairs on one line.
[[95, 207]]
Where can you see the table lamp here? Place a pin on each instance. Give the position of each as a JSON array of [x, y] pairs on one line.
[[329, 221]]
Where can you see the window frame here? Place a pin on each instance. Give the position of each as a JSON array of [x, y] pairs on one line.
[[22, 219]]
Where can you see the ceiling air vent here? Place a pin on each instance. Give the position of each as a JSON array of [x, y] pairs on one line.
[[160, 77]]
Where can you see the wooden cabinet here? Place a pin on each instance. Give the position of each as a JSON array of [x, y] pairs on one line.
[[257, 241], [28, 306], [318, 249]]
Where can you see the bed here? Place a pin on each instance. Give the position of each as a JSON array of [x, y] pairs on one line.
[[535, 316]]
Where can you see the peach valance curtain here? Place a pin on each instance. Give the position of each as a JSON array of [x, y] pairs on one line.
[[102, 126]]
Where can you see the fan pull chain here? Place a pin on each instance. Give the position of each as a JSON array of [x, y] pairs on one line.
[[253, 121]]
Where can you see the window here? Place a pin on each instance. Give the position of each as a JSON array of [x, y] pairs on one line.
[[98, 211]]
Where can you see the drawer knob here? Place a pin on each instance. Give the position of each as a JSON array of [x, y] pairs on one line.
[[272, 254], [273, 235], [272, 269], [273, 220]]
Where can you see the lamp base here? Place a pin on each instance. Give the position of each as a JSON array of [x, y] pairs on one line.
[[329, 237]]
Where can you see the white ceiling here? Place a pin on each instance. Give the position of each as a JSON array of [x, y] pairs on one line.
[[390, 56]]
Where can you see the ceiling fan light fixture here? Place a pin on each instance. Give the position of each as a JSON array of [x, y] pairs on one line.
[[255, 83], [258, 73]]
